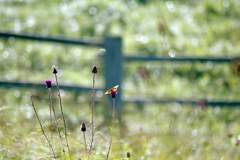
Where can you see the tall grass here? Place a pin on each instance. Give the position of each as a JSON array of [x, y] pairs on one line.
[[48, 82]]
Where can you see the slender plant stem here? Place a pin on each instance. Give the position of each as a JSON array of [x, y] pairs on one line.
[[50, 95], [112, 128], [65, 126], [42, 128], [50, 110], [85, 144], [92, 111]]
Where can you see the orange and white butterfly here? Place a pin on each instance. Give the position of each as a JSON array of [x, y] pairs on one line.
[[112, 89]]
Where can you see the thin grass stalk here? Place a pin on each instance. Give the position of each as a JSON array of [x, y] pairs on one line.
[[113, 115], [92, 111], [42, 128], [65, 126], [83, 129], [50, 110], [85, 144], [50, 95]]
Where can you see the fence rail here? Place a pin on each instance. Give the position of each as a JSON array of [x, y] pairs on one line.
[[190, 102], [59, 39], [43, 86], [126, 100], [113, 60], [191, 59]]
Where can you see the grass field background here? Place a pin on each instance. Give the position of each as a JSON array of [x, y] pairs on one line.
[[148, 27]]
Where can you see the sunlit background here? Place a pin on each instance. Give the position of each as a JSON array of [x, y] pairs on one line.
[[148, 28]]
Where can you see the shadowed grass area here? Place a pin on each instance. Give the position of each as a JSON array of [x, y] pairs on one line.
[[153, 131]]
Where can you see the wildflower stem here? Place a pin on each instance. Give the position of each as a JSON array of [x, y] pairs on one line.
[[50, 96], [92, 111], [65, 126], [50, 110], [85, 144], [42, 128], [112, 127]]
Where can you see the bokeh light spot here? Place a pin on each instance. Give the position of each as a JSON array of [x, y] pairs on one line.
[[172, 53], [17, 93], [170, 6], [81, 99], [99, 93], [194, 132], [226, 4], [92, 10], [5, 54]]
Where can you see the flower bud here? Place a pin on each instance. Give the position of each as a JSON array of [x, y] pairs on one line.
[[54, 68], [48, 82], [128, 154], [83, 127], [94, 69]]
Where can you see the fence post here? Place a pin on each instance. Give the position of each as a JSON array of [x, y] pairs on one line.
[[113, 59]]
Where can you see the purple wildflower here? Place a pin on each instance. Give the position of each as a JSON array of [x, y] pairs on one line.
[[48, 82], [113, 93]]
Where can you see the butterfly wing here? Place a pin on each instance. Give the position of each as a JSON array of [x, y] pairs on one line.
[[115, 88], [109, 91], [112, 89]]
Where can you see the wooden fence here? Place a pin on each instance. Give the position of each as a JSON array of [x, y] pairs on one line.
[[113, 60]]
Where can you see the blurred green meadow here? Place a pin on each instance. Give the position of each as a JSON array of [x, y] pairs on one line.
[[205, 28], [171, 131]]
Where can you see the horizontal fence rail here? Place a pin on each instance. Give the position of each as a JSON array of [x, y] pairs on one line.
[[100, 43], [58, 39], [199, 102], [43, 86], [192, 59], [126, 100]]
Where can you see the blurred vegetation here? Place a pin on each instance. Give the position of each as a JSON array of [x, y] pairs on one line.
[[161, 28], [205, 28]]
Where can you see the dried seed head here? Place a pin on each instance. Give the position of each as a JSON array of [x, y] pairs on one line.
[[83, 127], [48, 82], [128, 154], [94, 69], [54, 68]]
